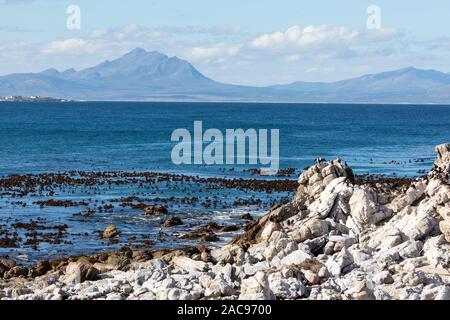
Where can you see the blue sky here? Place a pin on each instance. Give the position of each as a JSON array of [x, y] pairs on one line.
[[256, 42]]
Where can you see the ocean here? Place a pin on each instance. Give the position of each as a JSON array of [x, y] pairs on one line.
[[49, 137], [38, 138]]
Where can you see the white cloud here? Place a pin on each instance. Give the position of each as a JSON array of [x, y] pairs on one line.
[[296, 43], [321, 71], [202, 52], [111, 42], [72, 45], [13, 2], [228, 54], [442, 43], [311, 36]]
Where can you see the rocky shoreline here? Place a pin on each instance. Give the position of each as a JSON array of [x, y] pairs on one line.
[[339, 238]]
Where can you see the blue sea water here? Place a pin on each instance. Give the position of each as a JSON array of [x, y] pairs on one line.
[[121, 136], [48, 137]]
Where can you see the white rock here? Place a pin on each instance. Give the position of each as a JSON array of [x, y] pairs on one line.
[[286, 288], [223, 255], [339, 261], [252, 269], [381, 294], [408, 198], [256, 288], [363, 207], [268, 230], [444, 293], [437, 252], [444, 226], [219, 287], [443, 155], [189, 265], [413, 278], [296, 258], [383, 277], [311, 277]]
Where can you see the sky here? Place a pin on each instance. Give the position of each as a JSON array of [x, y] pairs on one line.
[[251, 42]]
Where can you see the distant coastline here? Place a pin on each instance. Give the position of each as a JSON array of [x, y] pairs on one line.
[[188, 101], [31, 99]]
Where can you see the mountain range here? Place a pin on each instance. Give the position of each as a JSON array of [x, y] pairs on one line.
[[152, 76]]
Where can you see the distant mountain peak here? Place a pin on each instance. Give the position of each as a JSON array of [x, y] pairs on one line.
[[137, 51], [69, 71], [136, 68]]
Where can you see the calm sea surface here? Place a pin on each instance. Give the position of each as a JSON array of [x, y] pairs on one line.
[[42, 137]]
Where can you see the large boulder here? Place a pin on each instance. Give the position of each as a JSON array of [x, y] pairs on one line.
[[189, 265], [155, 210], [80, 271], [364, 206], [296, 258], [412, 194], [256, 288], [336, 263], [284, 287], [110, 232], [312, 229], [443, 155], [445, 229], [314, 180], [333, 200]]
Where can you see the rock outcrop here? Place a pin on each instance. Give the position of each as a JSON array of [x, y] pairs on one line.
[[443, 155], [155, 210], [337, 239], [110, 232]]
